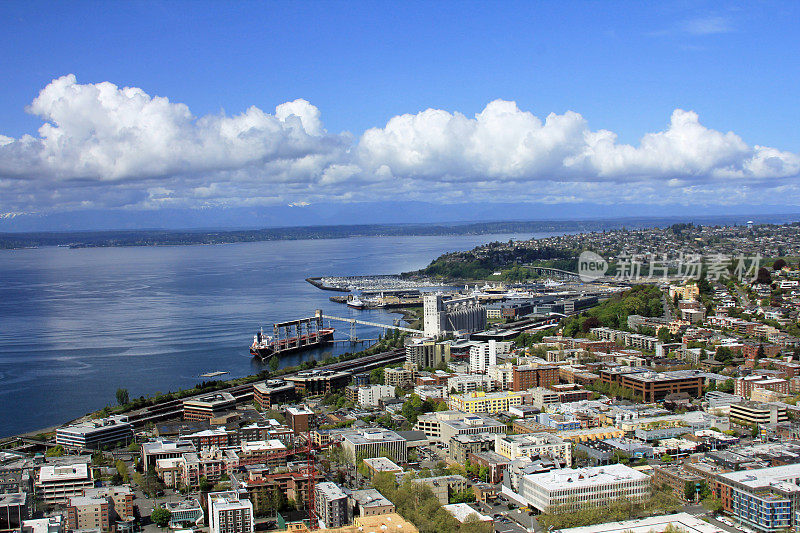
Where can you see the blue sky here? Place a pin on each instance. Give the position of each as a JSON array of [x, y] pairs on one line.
[[623, 66]]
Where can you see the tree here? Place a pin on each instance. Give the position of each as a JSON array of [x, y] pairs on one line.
[[664, 335], [763, 277], [122, 396], [55, 451], [779, 264], [273, 363], [160, 516]]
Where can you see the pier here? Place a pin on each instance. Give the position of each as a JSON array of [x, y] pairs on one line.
[[354, 321]]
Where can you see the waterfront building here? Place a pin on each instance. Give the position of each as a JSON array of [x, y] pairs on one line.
[[272, 392], [208, 406], [315, 382], [230, 512], [97, 433], [333, 509], [441, 316]]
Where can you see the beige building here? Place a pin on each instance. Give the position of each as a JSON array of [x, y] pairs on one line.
[[88, 513], [57, 484]]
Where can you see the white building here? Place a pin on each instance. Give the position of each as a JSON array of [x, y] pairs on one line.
[[459, 314], [502, 375], [57, 484], [230, 512], [482, 356], [441, 426], [532, 445], [369, 396], [114, 430], [375, 443], [575, 488], [470, 383]]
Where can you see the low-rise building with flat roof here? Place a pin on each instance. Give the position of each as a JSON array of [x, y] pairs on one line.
[[208, 406], [375, 442], [97, 433], [370, 502]]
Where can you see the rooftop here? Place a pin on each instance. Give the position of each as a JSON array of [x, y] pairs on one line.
[[586, 477]]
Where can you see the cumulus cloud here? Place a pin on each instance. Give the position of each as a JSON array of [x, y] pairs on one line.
[[105, 146]]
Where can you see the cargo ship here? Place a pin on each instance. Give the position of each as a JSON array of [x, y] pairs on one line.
[[265, 346]]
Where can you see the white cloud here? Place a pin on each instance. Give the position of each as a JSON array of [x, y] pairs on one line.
[[120, 147]]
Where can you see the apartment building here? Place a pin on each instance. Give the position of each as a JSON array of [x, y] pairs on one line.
[[532, 445], [333, 509], [428, 353], [230, 512], [765, 499], [482, 356], [370, 502], [88, 513], [482, 402], [441, 426], [369, 396], [57, 484], [526, 377]]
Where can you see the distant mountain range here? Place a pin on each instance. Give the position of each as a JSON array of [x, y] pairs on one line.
[[167, 237], [366, 213]]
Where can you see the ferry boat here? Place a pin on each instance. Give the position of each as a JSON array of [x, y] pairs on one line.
[[265, 346]]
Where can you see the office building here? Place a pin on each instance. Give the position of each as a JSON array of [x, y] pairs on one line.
[[576, 488], [315, 382], [375, 443], [333, 509], [758, 413], [97, 433], [208, 406], [273, 392], [230, 512]]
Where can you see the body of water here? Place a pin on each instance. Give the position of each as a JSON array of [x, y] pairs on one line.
[[75, 325]]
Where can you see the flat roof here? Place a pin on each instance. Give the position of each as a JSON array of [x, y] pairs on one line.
[[683, 521], [64, 472], [586, 477], [331, 491], [370, 436]]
